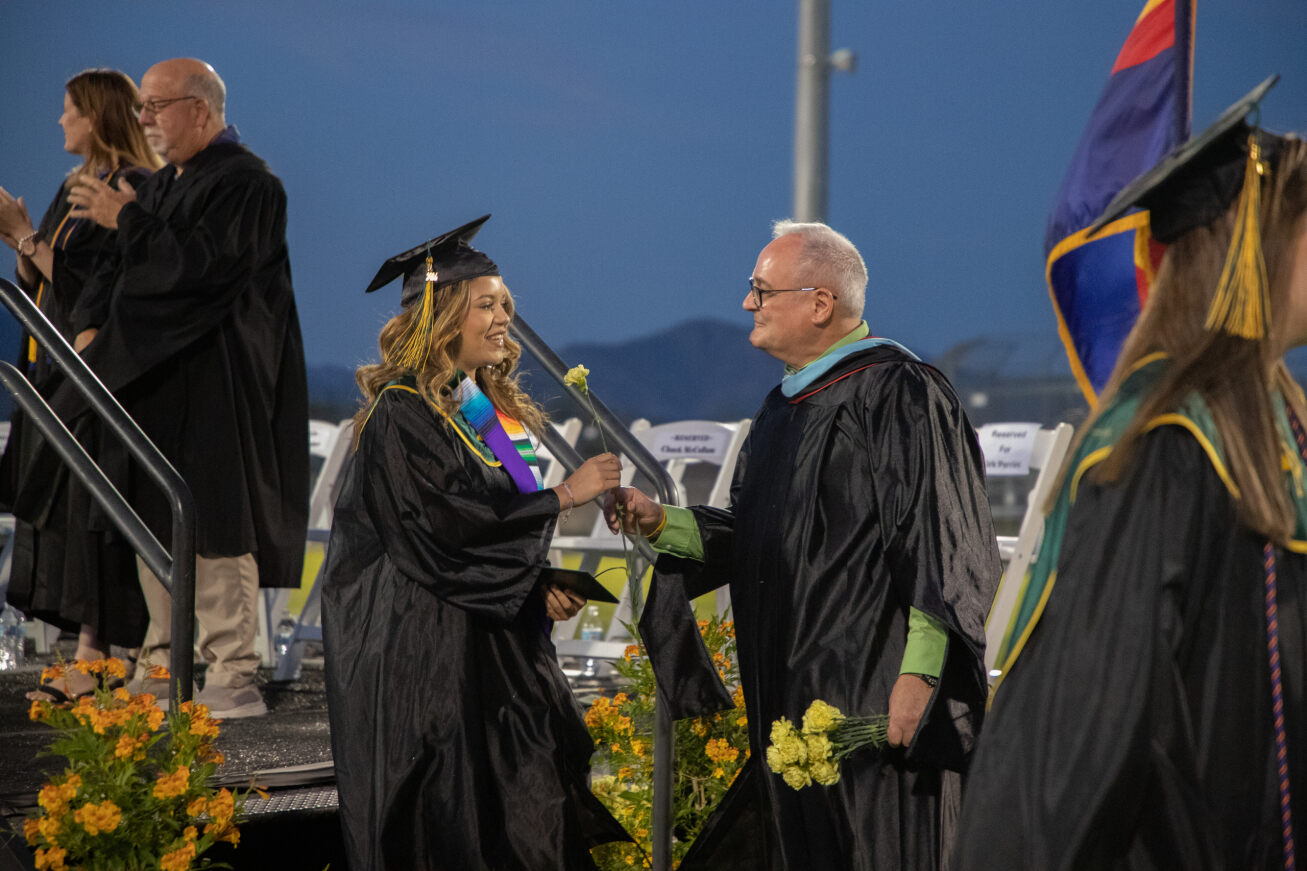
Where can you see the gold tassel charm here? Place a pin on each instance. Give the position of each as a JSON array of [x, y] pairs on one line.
[[1241, 304], [413, 350]]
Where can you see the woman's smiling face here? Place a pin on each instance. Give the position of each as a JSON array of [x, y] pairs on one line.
[[485, 329]]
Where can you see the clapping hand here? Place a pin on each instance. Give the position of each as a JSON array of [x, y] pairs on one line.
[[94, 199], [14, 220]]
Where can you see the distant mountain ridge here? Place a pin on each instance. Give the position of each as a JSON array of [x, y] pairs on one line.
[[696, 370]]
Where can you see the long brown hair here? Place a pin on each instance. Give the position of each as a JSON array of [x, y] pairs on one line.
[[498, 382], [109, 99], [1234, 376]]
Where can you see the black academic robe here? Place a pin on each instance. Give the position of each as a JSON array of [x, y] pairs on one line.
[[201, 345], [456, 739], [67, 569], [852, 502], [1135, 730]]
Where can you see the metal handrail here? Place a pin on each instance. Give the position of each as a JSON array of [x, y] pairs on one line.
[[176, 573], [646, 463]]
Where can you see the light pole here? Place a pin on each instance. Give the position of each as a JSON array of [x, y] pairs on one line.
[[812, 108]]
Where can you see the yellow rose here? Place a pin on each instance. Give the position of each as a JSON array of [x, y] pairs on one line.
[[797, 777], [793, 750], [819, 747], [826, 773], [576, 377], [781, 729], [821, 717]]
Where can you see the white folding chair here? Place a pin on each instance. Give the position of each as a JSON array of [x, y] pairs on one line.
[[1046, 455], [332, 442], [680, 446]]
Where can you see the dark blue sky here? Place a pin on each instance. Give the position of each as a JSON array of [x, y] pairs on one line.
[[634, 153]]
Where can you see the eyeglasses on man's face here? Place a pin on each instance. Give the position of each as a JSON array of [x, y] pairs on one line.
[[759, 291], [156, 106]]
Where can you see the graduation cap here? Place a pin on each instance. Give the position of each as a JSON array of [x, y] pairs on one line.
[[1194, 185], [444, 260]]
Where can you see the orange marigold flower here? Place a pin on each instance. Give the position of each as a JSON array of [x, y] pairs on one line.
[[158, 672], [114, 667], [122, 695], [703, 624], [637, 746], [52, 672], [179, 859], [172, 785], [49, 829], [631, 651], [85, 667], [190, 833], [126, 747], [222, 807], [38, 710], [197, 806], [48, 798], [154, 719], [97, 818], [52, 858], [31, 831]]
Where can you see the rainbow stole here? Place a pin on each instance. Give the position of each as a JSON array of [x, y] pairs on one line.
[[506, 438]]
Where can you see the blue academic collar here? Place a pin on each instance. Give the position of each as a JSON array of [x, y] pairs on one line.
[[228, 134], [797, 382]]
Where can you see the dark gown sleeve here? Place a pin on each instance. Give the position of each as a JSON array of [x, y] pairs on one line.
[[941, 549], [687, 679], [90, 306], [1075, 748], [176, 283], [435, 520]]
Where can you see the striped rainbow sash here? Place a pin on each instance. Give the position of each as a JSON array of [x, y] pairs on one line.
[[506, 438]]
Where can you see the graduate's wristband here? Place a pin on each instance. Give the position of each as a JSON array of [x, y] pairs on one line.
[[571, 501]]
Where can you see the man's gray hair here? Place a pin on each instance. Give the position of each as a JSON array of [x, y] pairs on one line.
[[828, 259], [209, 87]]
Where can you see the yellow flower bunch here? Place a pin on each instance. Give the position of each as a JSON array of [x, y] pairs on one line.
[[813, 754], [709, 753], [134, 793]]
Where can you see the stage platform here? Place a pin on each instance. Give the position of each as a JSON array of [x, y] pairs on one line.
[[288, 751]]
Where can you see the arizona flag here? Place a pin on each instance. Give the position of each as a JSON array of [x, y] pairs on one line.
[[1099, 285]]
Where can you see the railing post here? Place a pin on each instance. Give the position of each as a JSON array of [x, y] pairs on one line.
[[621, 438], [177, 573]]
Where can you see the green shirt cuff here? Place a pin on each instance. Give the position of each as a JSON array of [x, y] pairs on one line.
[[680, 537], [927, 644]]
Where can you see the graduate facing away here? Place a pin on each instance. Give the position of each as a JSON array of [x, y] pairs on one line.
[[1150, 711], [456, 740]]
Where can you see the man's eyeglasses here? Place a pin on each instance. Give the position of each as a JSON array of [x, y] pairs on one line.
[[154, 106], [759, 291]]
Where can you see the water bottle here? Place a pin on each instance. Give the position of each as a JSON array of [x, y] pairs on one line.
[[284, 638], [11, 639], [592, 629]]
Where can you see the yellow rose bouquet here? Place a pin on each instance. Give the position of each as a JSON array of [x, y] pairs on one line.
[[812, 754], [135, 792]]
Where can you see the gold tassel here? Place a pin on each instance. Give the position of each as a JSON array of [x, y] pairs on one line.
[[1242, 301], [413, 350]]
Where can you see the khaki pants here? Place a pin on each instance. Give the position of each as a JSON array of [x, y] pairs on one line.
[[226, 609]]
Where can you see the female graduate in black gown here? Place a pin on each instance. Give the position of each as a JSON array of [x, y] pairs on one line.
[[1156, 715], [69, 569], [456, 740]]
